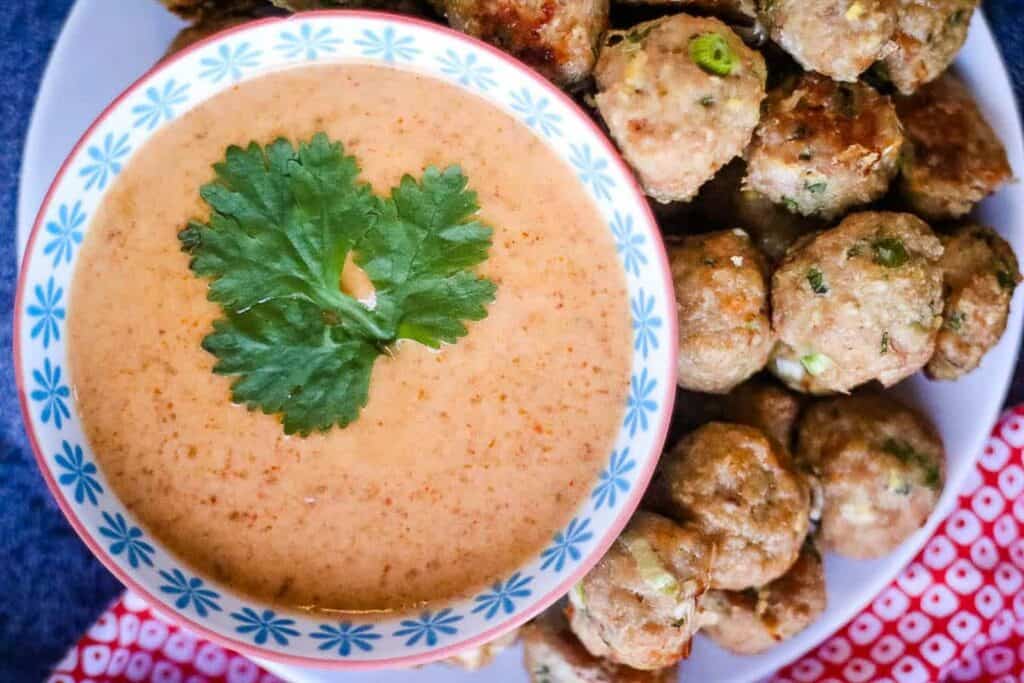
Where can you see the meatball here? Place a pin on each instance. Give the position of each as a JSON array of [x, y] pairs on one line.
[[952, 159], [928, 35], [729, 9], [859, 302], [208, 22], [980, 272], [735, 485], [766, 406], [638, 605], [476, 658], [881, 467], [722, 298], [838, 38], [822, 147], [773, 228], [552, 654], [559, 38], [754, 620], [681, 96]]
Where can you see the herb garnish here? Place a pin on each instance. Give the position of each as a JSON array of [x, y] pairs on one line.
[[283, 222], [890, 252], [885, 343], [907, 454], [1005, 280], [956, 319], [816, 188], [816, 280], [712, 53]]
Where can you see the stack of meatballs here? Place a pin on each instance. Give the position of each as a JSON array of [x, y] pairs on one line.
[[814, 164]]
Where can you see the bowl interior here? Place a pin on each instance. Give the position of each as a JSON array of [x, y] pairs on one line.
[[49, 403]]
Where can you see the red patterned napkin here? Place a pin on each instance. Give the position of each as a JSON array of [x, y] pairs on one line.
[[955, 614]]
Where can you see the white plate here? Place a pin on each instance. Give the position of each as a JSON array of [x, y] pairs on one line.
[[81, 79]]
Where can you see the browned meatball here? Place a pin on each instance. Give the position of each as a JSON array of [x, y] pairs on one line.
[[210, 22], [552, 654], [838, 38], [722, 296], [478, 657], [928, 35], [735, 484], [859, 302], [980, 272], [822, 147], [766, 406], [559, 38], [729, 9], [723, 201], [952, 159], [681, 96], [881, 467], [756, 619], [638, 605]]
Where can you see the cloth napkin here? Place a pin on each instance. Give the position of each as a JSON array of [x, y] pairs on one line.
[[956, 613]]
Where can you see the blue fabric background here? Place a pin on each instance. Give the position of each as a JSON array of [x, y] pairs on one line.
[[51, 588]]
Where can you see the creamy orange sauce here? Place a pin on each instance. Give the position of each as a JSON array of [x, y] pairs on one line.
[[464, 462]]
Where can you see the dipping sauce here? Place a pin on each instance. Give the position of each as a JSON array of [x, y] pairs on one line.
[[464, 462]]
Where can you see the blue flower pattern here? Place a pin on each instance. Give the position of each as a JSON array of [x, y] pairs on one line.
[[467, 69], [628, 243], [645, 323], [536, 113], [345, 636], [230, 62], [80, 473], [52, 394], [307, 43], [388, 45], [502, 596], [429, 627], [592, 170], [613, 479], [127, 539], [66, 233], [264, 626], [159, 104], [107, 161], [639, 403], [48, 310], [564, 548], [190, 591]]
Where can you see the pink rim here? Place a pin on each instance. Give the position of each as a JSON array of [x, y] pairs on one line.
[[249, 649]]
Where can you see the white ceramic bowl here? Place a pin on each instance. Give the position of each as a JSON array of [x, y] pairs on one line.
[[49, 404]]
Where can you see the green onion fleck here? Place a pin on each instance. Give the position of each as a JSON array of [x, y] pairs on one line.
[[816, 188], [638, 35], [816, 280], [955, 321], [885, 343], [1006, 281], [816, 363], [791, 204], [890, 252], [707, 101], [711, 52]]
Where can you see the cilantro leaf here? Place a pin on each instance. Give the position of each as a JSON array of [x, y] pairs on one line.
[[417, 254], [283, 222], [289, 360]]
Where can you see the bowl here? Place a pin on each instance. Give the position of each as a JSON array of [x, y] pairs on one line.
[[49, 404]]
